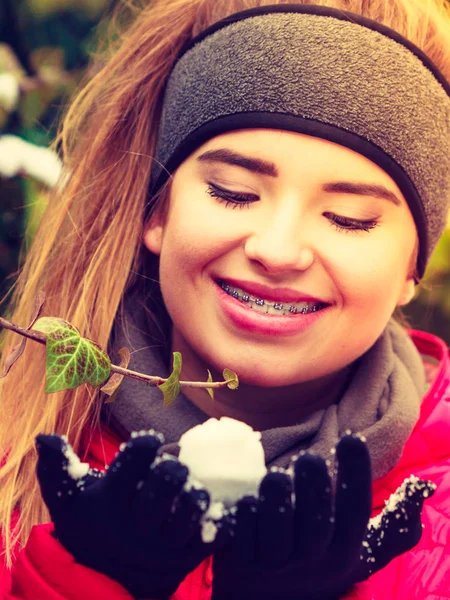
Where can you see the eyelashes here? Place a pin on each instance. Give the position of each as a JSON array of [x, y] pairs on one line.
[[235, 199], [241, 200], [348, 225]]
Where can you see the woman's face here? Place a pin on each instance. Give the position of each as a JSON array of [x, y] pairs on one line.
[[282, 210]]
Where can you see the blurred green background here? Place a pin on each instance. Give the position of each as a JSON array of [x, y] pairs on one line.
[[45, 47]]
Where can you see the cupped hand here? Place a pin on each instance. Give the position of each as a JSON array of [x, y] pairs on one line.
[[308, 535], [139, 522]]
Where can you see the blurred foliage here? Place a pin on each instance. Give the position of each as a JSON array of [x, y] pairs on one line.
[[46, 44], [430, 310]]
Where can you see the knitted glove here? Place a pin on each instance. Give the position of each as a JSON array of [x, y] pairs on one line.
[[319, 546], [138, 523]]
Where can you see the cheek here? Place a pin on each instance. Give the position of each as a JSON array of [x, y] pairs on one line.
[[197, 235], [371, 280], [185, 251]]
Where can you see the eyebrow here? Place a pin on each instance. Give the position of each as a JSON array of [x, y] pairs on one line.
[[263, 167]]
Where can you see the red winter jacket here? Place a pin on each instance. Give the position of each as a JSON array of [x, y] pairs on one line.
[[43, 570]]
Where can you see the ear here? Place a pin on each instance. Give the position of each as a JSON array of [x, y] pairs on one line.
[[153, 236], [407, 293]]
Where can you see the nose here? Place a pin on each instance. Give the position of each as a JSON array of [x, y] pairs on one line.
[[280, 245]]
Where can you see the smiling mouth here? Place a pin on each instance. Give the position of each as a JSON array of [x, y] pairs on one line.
[[268, 307]]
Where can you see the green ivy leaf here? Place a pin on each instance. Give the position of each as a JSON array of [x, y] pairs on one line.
[[231, 378], [210, 390], [171, 387], [71, 359]]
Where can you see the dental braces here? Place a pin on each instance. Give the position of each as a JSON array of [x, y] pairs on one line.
[[246, 298]]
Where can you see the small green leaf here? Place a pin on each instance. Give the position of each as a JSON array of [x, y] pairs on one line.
[[171, 387], [210, 390], [71, 359], [231, 378]]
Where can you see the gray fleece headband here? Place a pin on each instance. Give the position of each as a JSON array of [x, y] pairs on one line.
[[322, 72]]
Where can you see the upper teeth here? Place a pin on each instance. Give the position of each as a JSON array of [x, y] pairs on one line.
[[272, 307]]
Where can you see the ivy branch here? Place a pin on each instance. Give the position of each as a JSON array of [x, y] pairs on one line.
[[72, 360]]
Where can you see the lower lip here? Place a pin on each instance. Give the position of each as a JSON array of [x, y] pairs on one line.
[[254, 321]]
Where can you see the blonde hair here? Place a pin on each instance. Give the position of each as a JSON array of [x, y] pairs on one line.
[[87, 251]]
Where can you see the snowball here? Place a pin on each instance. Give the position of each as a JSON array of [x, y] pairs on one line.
[[226, 456], [75, 468], [9, 91], [18, 156]]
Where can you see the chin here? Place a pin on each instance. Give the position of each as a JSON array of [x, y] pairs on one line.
[[253, 368], [267, 375]]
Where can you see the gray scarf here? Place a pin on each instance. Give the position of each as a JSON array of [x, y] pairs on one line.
[[382, 400]]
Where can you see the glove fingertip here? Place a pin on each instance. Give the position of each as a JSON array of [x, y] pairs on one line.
[[149, 435], [168, 469], [310, 465], [275, 480], [50, 444], [352, 445], [245, 504], [198, 495], [429, 489], [419, 489]]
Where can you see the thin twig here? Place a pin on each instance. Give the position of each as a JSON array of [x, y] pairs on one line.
[[37, 336], [153, 380]]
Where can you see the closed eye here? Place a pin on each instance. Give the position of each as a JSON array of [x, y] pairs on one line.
[[348, 225], [231, 198], [241, 200]]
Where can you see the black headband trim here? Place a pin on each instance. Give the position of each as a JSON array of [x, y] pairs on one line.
[[324, 11], [267, 120]]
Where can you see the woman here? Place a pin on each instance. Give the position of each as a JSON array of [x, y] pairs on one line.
[[235, 119]]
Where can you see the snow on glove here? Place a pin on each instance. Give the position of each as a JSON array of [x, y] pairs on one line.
[[318, 546], [138, 522]]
